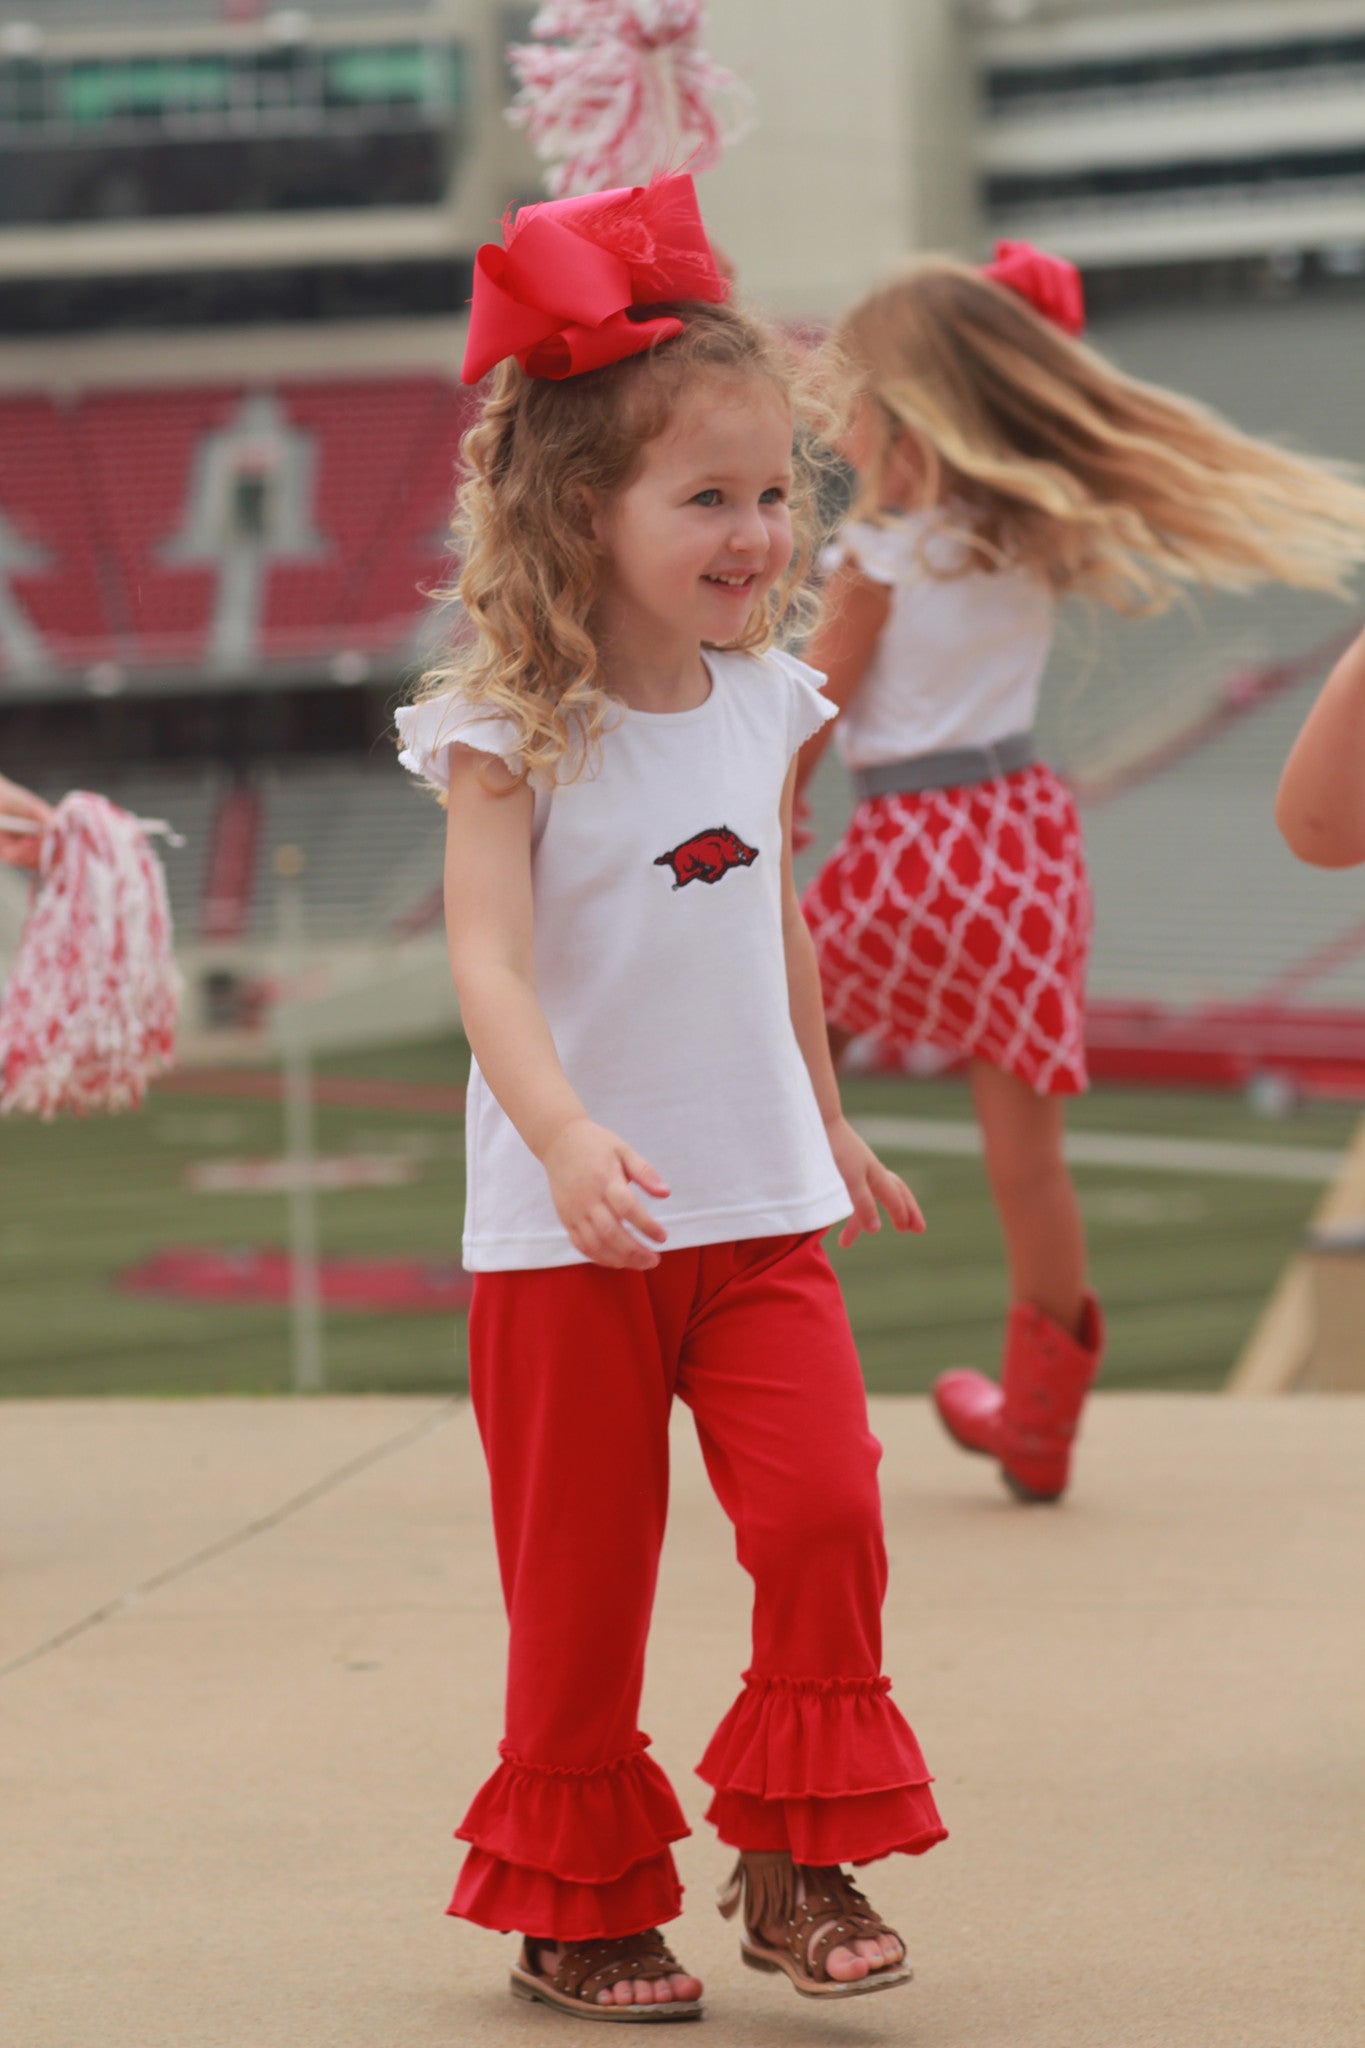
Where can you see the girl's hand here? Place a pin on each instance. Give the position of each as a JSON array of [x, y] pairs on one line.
[[868, 1183], [590, 1171], [21, 849]]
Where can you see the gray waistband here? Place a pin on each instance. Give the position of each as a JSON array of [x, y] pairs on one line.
[[947, 770]]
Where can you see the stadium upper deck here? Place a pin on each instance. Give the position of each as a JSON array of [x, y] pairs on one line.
[[166, 166], [177, 14], [1133, 136]]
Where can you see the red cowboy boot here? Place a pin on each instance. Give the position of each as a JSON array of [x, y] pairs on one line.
[[1029, 1421]]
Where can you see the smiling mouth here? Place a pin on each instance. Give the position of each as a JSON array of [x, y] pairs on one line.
[[731, 582]]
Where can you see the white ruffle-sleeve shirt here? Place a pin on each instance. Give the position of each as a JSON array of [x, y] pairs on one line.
[[660, 966], [961, 657]]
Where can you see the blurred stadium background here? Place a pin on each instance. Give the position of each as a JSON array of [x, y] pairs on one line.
[[235, 242]]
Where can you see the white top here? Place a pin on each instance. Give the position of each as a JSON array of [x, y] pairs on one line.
[[960, 659], [660, 966]]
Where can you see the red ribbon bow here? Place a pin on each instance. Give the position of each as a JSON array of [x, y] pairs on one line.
[[1051, 285], [558, 291]]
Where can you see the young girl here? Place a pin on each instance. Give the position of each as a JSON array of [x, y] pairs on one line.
[[655, 1138], [1320, 808], [1002, 466]]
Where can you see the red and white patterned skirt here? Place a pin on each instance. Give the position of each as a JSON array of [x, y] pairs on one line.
[[960, 918]]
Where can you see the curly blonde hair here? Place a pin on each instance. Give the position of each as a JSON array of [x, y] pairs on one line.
[[540, 456], [1067, 468]]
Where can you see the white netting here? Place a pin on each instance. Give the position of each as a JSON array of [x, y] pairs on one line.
[[89, 1013]]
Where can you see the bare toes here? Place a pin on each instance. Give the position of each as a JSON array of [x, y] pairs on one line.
[[651, 1991], [845, 1967]]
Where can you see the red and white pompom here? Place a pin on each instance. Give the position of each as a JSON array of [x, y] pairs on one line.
[[615, 92], [89, 1012]]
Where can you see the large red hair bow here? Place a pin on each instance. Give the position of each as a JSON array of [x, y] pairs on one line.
[[558, 293], [1051, 285]]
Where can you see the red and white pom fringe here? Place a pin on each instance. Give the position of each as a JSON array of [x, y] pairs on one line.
[[89, 1014], [615, 92]]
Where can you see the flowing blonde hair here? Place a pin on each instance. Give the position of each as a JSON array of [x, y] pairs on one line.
[[1067, 468], [540, 456]]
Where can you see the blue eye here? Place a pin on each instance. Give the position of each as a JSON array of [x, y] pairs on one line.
[[707, 497], [775, 495]]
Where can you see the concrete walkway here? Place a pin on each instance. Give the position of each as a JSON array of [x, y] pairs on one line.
[[252, 1666]]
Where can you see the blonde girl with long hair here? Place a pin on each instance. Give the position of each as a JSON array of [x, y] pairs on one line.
[[1001, 468], [655, 1141]]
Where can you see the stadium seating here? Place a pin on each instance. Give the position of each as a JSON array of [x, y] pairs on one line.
[[49, 553], [371, 846], [223, 529], [385, 479], [230, 877]]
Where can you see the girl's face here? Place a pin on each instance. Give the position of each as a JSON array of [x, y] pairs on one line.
[[703, 530]]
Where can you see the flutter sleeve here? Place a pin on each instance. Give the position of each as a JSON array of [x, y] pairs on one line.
[[429, 729], [807, 708]]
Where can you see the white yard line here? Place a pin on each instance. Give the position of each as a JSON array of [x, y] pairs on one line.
[[1119, 1148]]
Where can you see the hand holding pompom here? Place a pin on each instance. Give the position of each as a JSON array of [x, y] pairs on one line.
[[89, 1012]]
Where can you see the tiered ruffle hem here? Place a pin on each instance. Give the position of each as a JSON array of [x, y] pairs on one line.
[[825, 1767], [574, 1855]]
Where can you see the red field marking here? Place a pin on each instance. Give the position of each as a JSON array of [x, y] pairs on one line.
[[336, 1091], [262, 1274]]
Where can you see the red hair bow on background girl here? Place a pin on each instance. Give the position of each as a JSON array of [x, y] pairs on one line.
[[558, 293], [1051, 285]]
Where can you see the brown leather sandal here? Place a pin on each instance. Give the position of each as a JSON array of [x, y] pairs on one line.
[[586, 1967], [829, 1913]]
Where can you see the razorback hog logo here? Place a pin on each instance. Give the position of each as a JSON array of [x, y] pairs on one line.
[[706, 856]]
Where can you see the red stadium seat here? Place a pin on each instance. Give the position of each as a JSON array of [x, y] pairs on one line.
[[126, 522], [49, 547]]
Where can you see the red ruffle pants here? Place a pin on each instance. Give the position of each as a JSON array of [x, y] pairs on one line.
[[573, 1370]]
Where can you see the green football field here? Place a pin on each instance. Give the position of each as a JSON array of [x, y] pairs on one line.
[[1183, 1260]]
